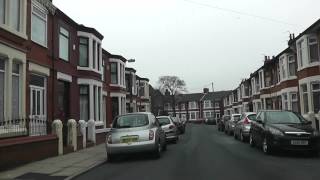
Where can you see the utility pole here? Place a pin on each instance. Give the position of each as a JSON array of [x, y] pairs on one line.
[[213, 101]]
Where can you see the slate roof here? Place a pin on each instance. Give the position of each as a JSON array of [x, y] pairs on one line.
[[200, 96]]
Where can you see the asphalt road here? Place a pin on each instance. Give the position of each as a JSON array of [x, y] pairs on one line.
[[204, 153]]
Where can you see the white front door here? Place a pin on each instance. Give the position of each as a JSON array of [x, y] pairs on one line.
[[37, 102]]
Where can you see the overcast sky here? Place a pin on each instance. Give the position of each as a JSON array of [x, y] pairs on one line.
[[201, 41]]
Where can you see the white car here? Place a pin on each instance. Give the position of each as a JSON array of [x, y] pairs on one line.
[[170, 129], [133, 133]]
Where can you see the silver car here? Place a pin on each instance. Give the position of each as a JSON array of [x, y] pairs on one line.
[[231, 124], [242, 129], [170, 129], [133, 133]]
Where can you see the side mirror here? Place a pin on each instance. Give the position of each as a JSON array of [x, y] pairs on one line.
[[259, 121]]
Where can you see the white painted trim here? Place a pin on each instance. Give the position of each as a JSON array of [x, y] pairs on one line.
[[89, 35], [64, 77], [88, 69], [39, 69], [85, 81], [104, 93], [116, 94], [309, 79]]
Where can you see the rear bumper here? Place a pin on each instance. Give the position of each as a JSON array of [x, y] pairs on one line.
[[130, 148]]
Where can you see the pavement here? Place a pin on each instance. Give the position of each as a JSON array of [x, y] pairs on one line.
[[60, 167], [203, 153]]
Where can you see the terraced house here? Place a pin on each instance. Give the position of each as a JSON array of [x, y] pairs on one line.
[[288, 81], [52, 68], [197, 106]]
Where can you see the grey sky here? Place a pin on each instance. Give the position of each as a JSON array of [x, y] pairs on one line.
[[199, 43]]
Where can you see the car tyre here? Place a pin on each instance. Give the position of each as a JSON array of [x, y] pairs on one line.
[[157, 150], [235, 135], [110, 158], [251, 141], [242, 137], [266, 148]]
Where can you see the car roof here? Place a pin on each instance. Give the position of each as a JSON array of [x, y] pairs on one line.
[[163, 117], [137, 113], [249, 113], [236, 115], [274, 111]]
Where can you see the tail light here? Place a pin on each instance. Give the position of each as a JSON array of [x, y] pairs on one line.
[[151, 135], [246, 121], [171, 127], [109, 140]]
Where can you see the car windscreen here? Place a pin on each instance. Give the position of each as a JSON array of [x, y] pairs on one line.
[[164, 120], [131, 121], [252, 117], [283, 118], [236, 117]]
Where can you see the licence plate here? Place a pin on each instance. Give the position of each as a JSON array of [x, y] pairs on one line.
[[129, 139], [299, 142]]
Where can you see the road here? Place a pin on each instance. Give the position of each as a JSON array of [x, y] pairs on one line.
[[204, 153]]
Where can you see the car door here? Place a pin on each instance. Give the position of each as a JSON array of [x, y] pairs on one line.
[[159, 131], [261, 119]]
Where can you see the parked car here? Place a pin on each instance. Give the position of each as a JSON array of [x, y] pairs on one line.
[[230, 125], [283, 130], [242, 128], [180, 125], [135, 132], [222, 121], [170, 129], [210, 120]]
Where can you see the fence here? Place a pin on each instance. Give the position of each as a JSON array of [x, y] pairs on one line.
[[23, 127]]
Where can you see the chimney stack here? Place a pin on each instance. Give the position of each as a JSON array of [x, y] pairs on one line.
[[205, 90]]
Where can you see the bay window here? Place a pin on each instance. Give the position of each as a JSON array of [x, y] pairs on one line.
[[83, 52], [14, 14], [84, 102], [2, 72], [315, 87], [292, 66], [294, 102], [64, 44], [2, 11], [283, 68], [94, 54], [285, 101], [313, 49], [114, 73], [305, 101], [300, 53], [15, 90], [39, 25]]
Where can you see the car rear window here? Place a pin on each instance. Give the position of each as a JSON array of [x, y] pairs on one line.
[[252, 117], [131, 121], [164, 120]]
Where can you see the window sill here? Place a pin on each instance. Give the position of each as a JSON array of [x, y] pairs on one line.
[[9, 29], [39, 44], [88, 69], [309, 65]]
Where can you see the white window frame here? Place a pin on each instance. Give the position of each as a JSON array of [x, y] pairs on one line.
[[293, 100], [65, 35], [45, 12], [313, 43], [292, 61], [302, 93], [207, 104], [300, 53], [312, 91]]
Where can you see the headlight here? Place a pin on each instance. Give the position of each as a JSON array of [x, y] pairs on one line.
[[276, 132], [316, 133], [109, 139]]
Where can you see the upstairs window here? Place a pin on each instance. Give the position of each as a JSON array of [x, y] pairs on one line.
[[2, 11], [64, 44], [292, 66], [313, 49], [14, 14], [300, 53], [207, 104], [39, 25], [2, 72], [83, 52], [283, 68], [114, 73], [94, 54], [98, 55]]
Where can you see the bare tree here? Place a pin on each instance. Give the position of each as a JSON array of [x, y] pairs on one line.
[[174, 85]]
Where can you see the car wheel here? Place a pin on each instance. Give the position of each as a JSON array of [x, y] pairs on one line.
[[251, 141], [110, 158], [158, 150], [266, 147], [241, 137], [235, 135]]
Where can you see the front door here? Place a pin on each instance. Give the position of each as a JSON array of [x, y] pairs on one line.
[[63, 107], [38, 105]]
